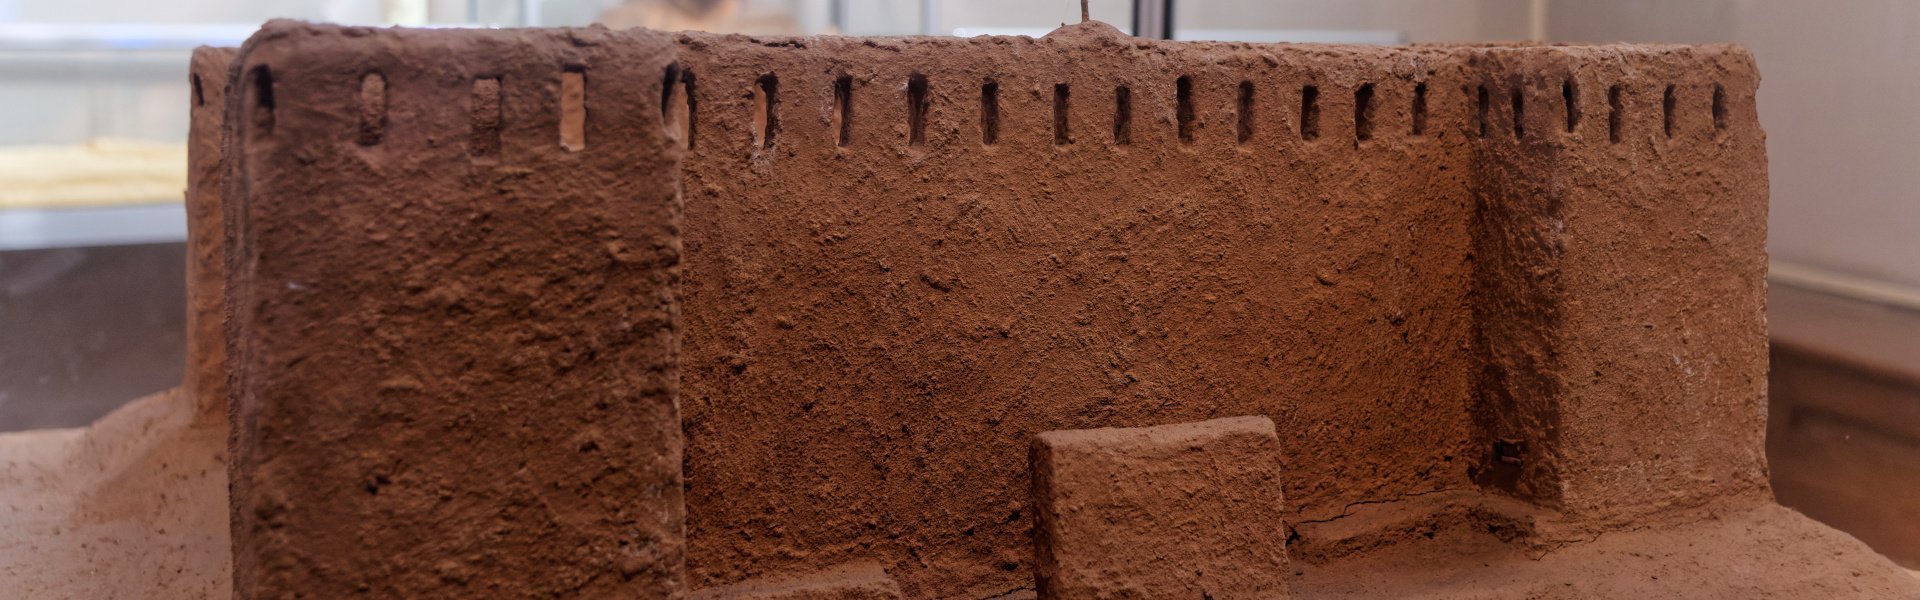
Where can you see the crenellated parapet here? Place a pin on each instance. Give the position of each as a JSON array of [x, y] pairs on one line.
[[499, 299]]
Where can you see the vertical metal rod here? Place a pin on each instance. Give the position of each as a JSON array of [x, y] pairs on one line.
[[929, 16], [1153, 19], [529, 13]]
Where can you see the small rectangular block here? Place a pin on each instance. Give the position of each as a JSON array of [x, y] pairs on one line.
[[862, 581], [1175, 511]]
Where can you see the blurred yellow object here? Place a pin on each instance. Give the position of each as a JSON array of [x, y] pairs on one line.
[[101, 172]]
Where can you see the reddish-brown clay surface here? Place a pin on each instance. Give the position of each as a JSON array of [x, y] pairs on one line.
[[875, 330], [1506, 289], [206, 373], [454, 338], [1429, 288], [1170, 511], [863, 581]]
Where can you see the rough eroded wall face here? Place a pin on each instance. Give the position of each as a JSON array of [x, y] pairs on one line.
[[883, 309], [1619, 279], [1620, 230], [1664, 343], [455, 338], [206, 370], [1536, 271], [907, 256]]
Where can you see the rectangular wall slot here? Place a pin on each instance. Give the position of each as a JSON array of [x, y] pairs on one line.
[[1719, 108], [990, 113], [1061, 96], [1310, 113], [1666, 110], [373, 108], [676, 106], [1243, 130], [573, 109], [484, 115], [1482, 107], [843, 110], [260, 100], [1420, 109], [1519, 114], [1363, 112], [1183, 109], [766, 110], [917, 105], [1570, 96], [1616, 111]]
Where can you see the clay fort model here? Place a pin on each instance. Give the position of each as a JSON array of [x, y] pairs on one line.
[[586, 313]]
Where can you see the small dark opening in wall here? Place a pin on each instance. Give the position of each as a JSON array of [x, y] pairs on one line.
[[1509, 452], [766, 110], [1616, 114], [1570, 96], [693, 106], [373, 108], [262, 101], [1519, 114], [1061, 96], [1243, 131], [1719, 107], [484, 118], [1310, 113], [199, 94], [843, 110], [1420, 109], [1183, 109], [1666, 107], [1122, 116], [917, 105], [573, 108], [668, 81], [990, 112], [676, 105], [1363, 112], [1482, 106]]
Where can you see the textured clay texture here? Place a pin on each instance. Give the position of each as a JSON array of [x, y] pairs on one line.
[[906, 256], [206, 379], [865, 581], [876, 329], [1511, 289], [454, 337], [1172, 511]]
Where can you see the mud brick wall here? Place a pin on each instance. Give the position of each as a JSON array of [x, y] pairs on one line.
[[1534, 271], [1620, 231], [1168, 511], [206, 380], [906, 256], [876, 328], [454, 255]]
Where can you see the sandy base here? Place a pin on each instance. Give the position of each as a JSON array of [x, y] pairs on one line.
[[1767, 551], [132, 507], [135, 506]]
